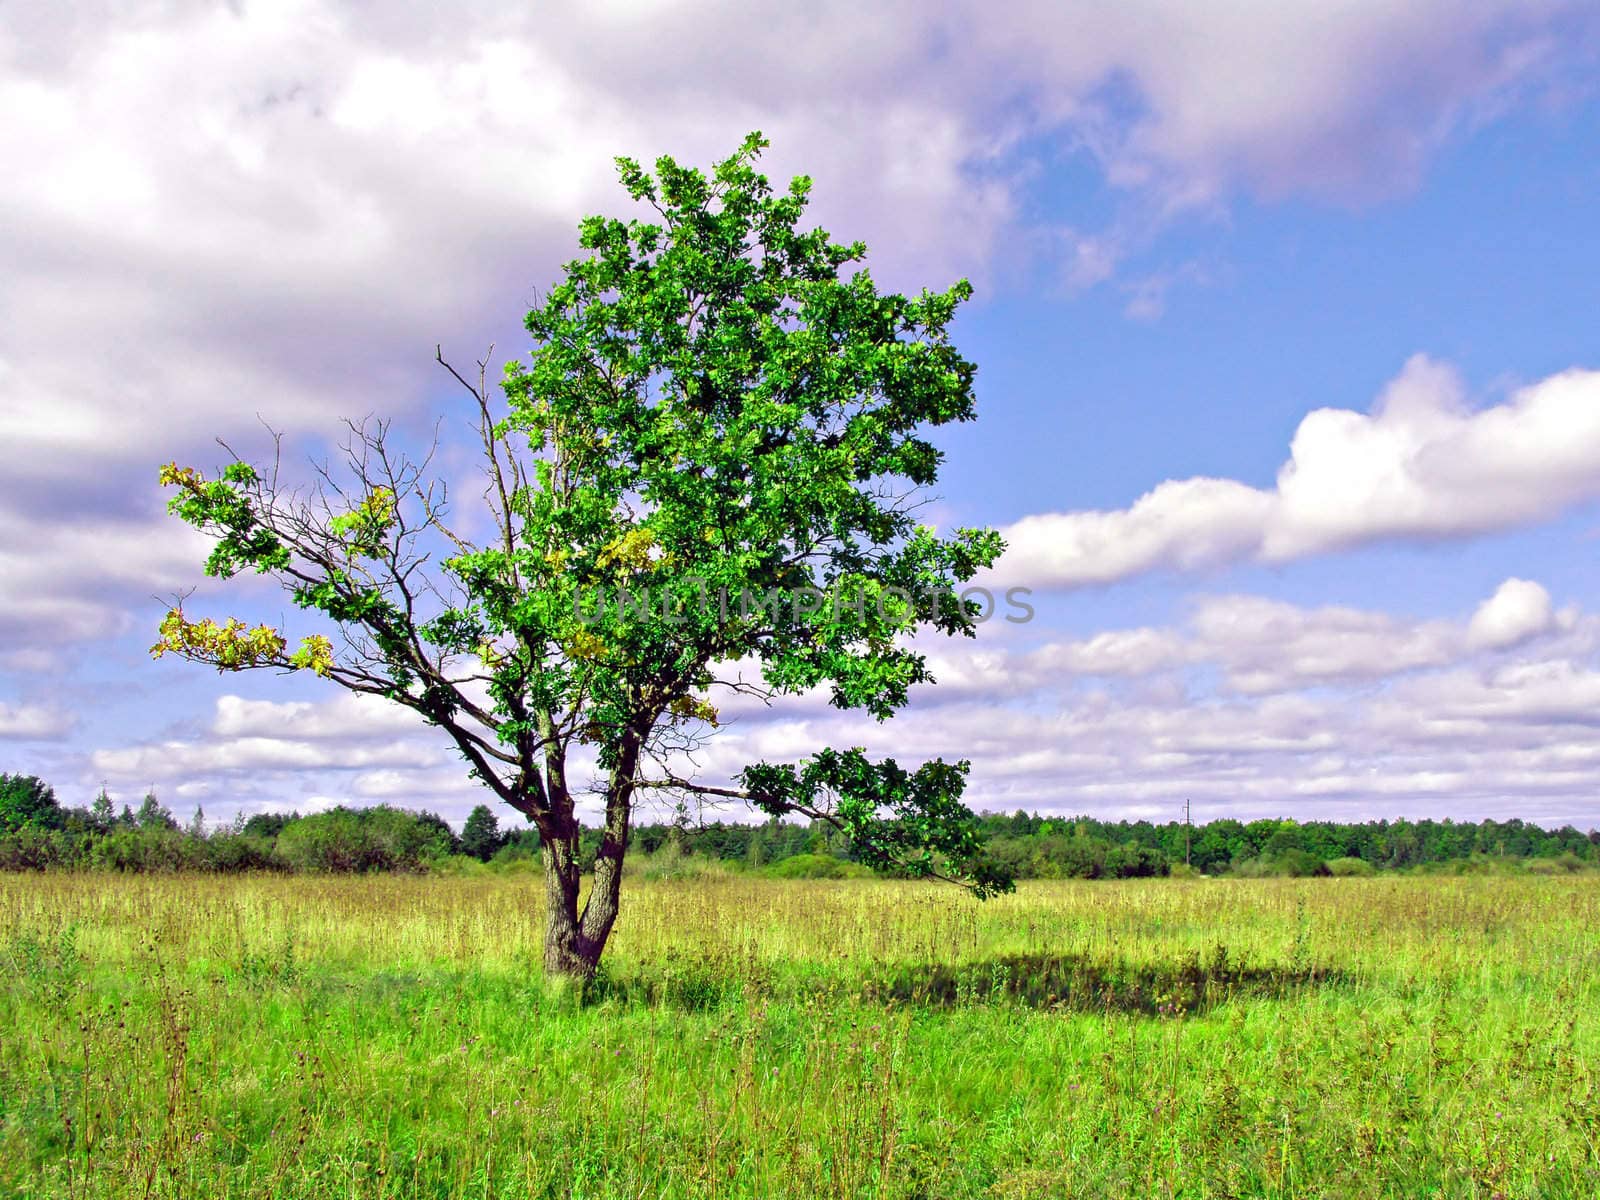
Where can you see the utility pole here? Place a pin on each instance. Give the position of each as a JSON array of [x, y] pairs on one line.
[[1187, 826]]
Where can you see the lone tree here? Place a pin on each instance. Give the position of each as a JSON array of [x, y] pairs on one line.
[[481, 836], [704, 476]]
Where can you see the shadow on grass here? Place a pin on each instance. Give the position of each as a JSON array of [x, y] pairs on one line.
[[1060, 982], [1081, 984]]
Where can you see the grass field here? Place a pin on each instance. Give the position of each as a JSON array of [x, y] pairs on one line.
[[381, 1036]]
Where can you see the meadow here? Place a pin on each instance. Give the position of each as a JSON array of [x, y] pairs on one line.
[[383, 1036]]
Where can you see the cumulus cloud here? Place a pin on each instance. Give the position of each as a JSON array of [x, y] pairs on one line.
[[348, 716], [1347, 103], [1309, 756], [74, 580], [176, 760], [1268, 646], [257, 755], [1536, 692], [1422, 464], [1462, 743], [1250, 706], [1257, 646], [1520, 609], [34, 722], [345, 733], [1189, 524], [280, 209]]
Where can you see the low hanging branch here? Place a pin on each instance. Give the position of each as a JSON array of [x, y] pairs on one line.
[[709, 463]]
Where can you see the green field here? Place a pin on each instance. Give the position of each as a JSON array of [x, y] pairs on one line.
[[381, 1036]]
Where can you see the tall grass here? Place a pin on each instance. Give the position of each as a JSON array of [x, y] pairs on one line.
[[390, 1037]]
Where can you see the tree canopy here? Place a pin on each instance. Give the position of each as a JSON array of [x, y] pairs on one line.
[[702, 481], [26, 800], [481, 836]]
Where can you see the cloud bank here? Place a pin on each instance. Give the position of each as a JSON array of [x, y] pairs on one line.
[[1250, 706], [1421, 465], [279, 209]]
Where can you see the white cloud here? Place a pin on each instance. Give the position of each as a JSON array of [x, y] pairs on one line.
[[344, 733], [1342, 100], [1519, 610], [1452, 744], [269, 756], [1420, 465], [347, 716], [34, 722], [1535, 693], [1423, 464], [279, 209], [1259, 646], [75, 579], [1252, 707], [1249, 707], [179, 760], [1189, 524], [1267, 646]]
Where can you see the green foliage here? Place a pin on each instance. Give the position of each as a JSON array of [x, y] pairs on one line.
[[1562, 864], [26, 800], [1345, 868], [1220, 846], [103, 813], [708, 458], [1079, 856], [36, 848], [1028, 847], [1298, 864], [480, 836], [911, 821], [153, 814], [817, 866], [360, 840]]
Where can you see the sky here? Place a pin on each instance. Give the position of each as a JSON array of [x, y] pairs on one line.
[[1285, 324]]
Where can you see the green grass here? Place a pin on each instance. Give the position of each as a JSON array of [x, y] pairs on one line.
[[198, 1037]]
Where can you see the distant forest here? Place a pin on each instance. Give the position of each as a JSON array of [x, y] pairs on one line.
[[38, 833]]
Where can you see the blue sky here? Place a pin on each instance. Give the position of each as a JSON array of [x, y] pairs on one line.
[[1208, 241]]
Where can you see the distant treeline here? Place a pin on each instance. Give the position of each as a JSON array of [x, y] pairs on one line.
[[1083, 847], [38, 833]]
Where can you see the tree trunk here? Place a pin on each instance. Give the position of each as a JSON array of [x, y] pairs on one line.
[[574, 940], [567, 953]]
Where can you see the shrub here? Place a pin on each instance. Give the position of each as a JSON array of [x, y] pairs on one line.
[[667, 865], [1183, 871], [1346, 868], [516, 862], [1299, 864], [140, 849], [817, 866], [33, 848], [456, 866], [1296, 864], [1135, 862], [1562, 864], [229, 851], [368, 839]]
